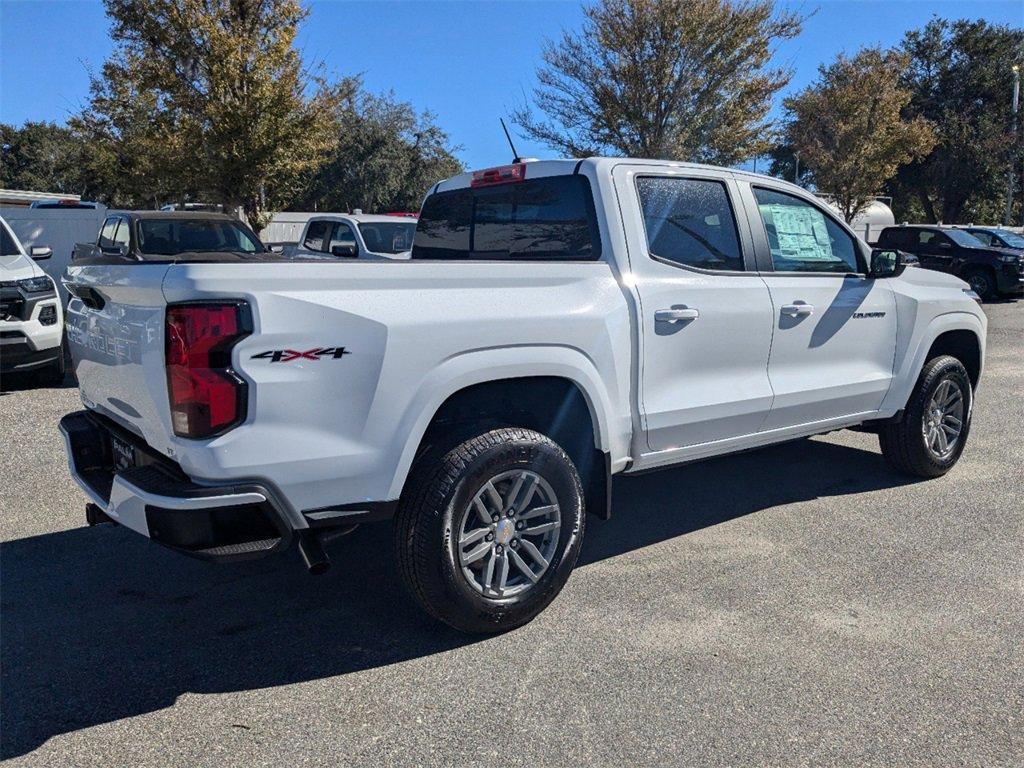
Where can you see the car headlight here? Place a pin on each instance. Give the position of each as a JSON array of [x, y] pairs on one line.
[[36, 284]]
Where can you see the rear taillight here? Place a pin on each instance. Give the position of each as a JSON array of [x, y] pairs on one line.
[[207, 397]]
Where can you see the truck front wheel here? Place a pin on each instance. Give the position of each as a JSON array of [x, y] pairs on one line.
[[933, 432], [487, 532]]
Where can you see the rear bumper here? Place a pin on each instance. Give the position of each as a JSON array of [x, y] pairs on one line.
[[154, 498]]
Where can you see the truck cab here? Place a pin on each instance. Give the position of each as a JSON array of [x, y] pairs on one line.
[[353, 236]]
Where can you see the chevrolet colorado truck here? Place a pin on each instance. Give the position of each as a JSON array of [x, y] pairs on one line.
[[558, 323], [356, 235], [31, 317]]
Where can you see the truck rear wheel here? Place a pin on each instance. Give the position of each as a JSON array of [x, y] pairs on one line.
[[487, 532], [933, 432]]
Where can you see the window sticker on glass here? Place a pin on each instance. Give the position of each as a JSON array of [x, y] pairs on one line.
[[802, 238], [801, 232]]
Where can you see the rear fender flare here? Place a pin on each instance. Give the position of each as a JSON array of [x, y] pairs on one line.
[[497, 364]]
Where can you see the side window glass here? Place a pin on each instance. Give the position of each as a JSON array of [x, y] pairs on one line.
[[316, 235], [107, 233], [802, 238], [122, 236], [690, 222], [342, 235]]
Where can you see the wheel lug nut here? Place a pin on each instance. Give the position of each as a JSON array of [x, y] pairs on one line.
[[490, 537], [511, 513], [514, 544], [520, 525], [494, 518], [498, 549]]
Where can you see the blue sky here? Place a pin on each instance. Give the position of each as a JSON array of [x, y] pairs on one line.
[[468, 62]]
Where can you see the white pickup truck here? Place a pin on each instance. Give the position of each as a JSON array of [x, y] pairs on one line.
[[559, 322], [355, 236]]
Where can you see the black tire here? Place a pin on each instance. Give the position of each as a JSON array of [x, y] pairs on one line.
[[904, 445], [53, 374], [982, 282], [434, 504]]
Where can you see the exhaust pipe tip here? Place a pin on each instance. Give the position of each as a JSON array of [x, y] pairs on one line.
[[313, 554]]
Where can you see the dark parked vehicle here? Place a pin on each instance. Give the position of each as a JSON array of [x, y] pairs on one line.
[[998, 238], [172, 236], [991, 272]]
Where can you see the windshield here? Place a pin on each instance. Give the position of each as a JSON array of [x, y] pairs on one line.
[[170, 237], [7, 245], [966, 239], [383, 237], [1012, 239]]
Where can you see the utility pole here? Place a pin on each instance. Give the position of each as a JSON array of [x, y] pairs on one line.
[[796, 169], [1010, 177]]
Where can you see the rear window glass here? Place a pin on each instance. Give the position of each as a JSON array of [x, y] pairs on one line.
[[539, 219]]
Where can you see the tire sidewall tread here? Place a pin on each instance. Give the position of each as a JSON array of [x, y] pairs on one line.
[[440, 486]]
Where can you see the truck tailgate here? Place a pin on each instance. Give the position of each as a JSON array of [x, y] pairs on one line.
[[115, 328]]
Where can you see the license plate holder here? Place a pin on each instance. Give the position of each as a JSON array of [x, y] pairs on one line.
[[122, 453]]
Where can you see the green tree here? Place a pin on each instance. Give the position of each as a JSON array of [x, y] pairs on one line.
[[386, 158], [847, 130], [44, 157], [210, 98], [961, 81], [672, 79]]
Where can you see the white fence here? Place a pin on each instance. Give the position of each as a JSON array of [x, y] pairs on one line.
[[286, 226], [56, 228]]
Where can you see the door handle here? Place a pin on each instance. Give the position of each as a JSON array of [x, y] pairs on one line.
[[797, 310], [675, 315]]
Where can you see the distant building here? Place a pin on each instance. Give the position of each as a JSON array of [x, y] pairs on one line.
[[25, 198]]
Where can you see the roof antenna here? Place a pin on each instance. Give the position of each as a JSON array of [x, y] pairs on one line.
[[515, 155]]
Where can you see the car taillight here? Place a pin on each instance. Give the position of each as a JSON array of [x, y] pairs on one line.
[[207, 397]]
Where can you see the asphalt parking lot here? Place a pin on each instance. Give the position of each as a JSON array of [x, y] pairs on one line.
[[801, 604]]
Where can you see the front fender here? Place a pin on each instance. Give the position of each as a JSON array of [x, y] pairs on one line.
[[913, 358], [480, 366]]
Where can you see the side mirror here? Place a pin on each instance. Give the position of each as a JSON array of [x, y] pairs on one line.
[[40, 252], [344, 251], [885, 263]]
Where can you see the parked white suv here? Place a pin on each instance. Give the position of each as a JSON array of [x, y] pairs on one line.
[[559, 323], [31, 318]]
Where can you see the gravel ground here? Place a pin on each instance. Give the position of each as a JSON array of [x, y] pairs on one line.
[[799, 605]]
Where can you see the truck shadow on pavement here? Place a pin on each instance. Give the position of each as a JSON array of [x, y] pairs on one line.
[[99, 624]]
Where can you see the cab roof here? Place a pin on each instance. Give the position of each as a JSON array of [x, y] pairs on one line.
[[566, 166]]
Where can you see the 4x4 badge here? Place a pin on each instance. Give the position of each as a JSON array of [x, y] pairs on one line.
[[287, 355]]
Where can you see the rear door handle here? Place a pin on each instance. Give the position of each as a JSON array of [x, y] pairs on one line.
[[797, 310], [675, 315]]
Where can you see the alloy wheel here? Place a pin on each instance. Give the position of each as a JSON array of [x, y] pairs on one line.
[[508, 534], [943, 420]]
